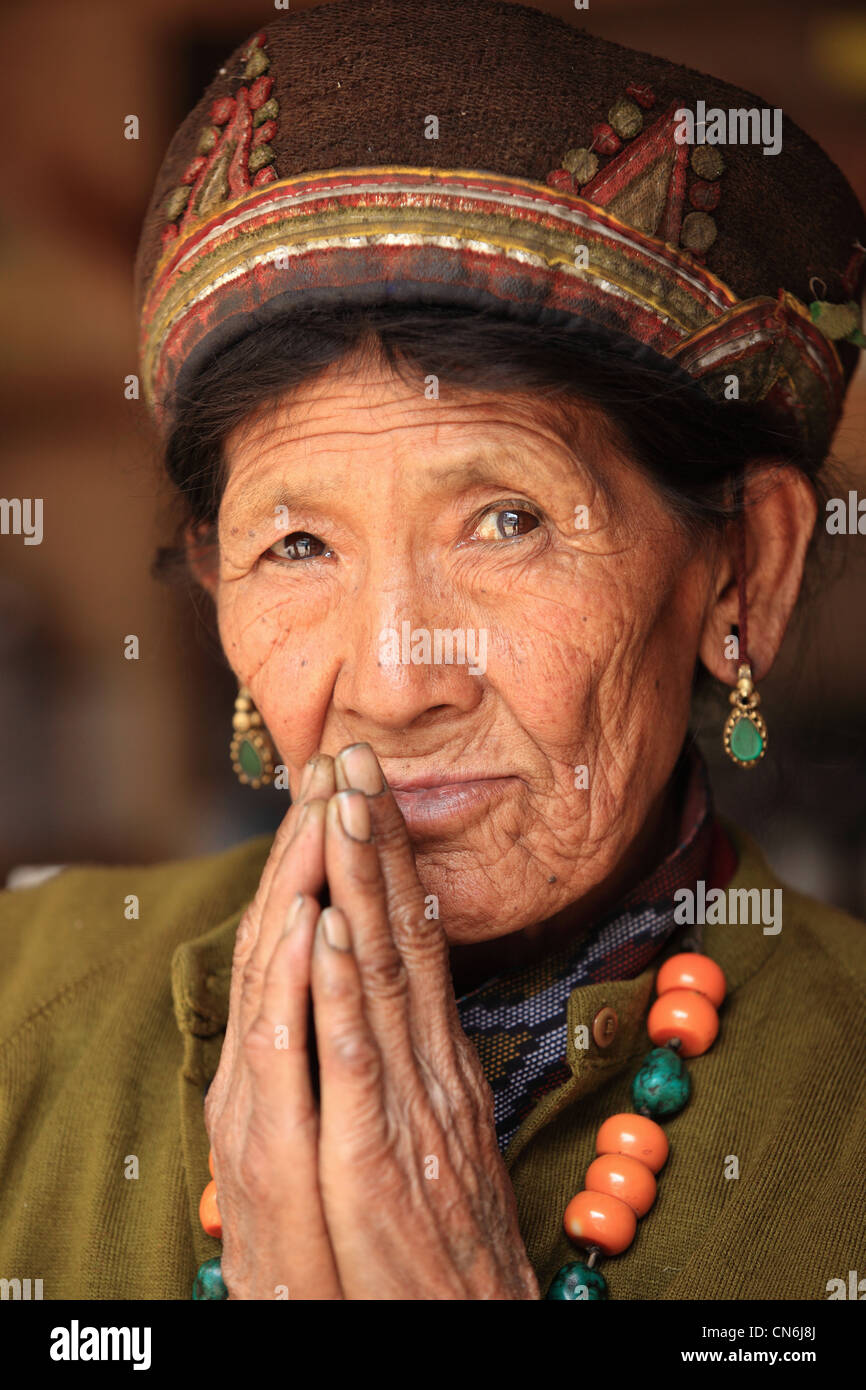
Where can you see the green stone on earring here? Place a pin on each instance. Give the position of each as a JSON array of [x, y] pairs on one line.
[[208, 1283], [250, 760], [662, 1085], [577, 1282], [746, 741]]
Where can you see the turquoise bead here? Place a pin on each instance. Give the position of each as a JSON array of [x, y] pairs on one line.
[[578, 1282], [662, 1085], [209, 1281]]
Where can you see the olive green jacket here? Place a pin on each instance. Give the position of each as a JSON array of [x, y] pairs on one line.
[[111, 1026]]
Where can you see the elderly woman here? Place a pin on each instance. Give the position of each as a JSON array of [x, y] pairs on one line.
[[497, 404]]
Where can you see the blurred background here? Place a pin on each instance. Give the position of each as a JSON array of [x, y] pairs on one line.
[[114, 761]]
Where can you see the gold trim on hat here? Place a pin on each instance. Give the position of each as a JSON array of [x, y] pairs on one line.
[[495, 215]]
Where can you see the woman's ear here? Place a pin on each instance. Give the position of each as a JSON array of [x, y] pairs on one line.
[[202, 554], [780, 511]]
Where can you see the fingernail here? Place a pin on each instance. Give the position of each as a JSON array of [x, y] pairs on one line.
[[354, 814], [307, 777], [335, 929], [293, 913], [361, 769]]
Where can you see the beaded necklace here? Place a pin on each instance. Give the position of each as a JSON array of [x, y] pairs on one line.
[[620, 1183], [631, 1148]]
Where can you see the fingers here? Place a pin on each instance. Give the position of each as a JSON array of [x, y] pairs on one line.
[[357, 887], [350, 1062], [301, 870], [264, 1119], [275, 1236], [295, 864], [317, 781], [414, 928], [275, 1047]]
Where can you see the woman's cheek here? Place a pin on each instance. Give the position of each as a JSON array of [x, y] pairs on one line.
[[251, 623], [550, 640], [573, 663], [258, 611], [275, 644]]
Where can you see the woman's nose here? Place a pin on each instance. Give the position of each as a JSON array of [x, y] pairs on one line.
[[409, 654]]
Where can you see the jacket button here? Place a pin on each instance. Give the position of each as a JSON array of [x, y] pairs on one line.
[[604, 1027]]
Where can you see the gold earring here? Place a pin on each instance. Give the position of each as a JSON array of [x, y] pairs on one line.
[[745, 731], [252, 753]]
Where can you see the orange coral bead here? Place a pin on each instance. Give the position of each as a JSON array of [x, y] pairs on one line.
[[623, 1177], [596, 1218], [683, 1014], [690, 970], [636, 1136], [208, 1211], [210, 1162]]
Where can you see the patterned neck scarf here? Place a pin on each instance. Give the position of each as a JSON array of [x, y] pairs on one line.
[[518, 1020]]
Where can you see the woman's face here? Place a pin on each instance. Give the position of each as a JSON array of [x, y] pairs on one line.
[[365, 520]]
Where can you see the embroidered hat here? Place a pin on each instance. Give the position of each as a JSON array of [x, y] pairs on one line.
[[469, 152]]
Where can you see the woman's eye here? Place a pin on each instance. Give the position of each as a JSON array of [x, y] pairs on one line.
[[503, 523], [300, 545]]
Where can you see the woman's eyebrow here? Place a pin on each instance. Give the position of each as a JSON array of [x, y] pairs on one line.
[[271, 497], [512, 469], [487, 468], [474, 472]]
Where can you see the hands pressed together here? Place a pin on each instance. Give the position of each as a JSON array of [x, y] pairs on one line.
[[391, 1185]]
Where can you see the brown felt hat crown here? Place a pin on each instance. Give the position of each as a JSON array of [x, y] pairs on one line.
[[476, 153]]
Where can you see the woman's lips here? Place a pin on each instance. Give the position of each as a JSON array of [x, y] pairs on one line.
[[434, 807]]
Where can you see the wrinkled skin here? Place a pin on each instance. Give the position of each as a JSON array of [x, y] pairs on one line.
[[451, 513]]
